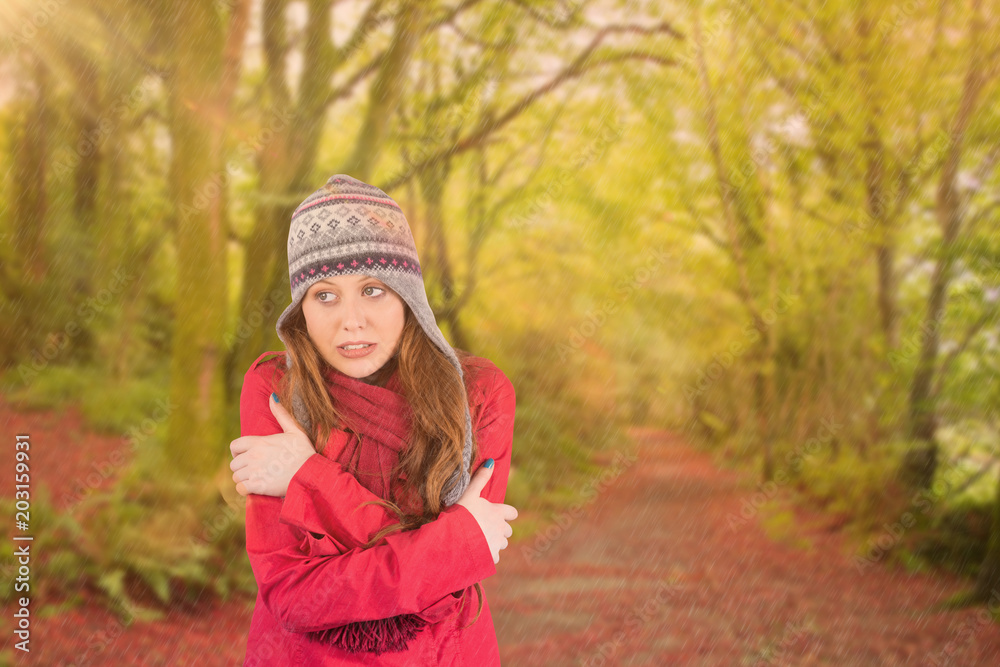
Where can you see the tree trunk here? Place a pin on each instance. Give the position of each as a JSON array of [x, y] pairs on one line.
[[198, 113], [80, 268], [22, 326], [386, 91], [920, 463], [436, 260], [31, 152], [876, 198], [285, 164], [988, 578], [763, 406], [742, 213], [885, 244]]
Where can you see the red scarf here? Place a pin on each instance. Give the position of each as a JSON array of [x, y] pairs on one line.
[[379, 420]]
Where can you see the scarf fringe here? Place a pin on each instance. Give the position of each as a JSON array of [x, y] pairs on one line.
[[384, 635]]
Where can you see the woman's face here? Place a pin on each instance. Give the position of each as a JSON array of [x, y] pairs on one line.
[[354, 309]]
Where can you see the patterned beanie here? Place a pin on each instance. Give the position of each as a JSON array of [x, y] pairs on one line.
[[349, 227]]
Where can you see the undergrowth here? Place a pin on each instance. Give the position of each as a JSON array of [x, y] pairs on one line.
[[152, 539], [946, 526], [138, 547]]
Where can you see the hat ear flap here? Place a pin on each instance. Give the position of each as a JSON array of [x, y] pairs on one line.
[[300, 413]]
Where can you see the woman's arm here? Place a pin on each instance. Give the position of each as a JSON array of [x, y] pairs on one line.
[[321, 489], [407, 573], [306, 588], [347, 528]]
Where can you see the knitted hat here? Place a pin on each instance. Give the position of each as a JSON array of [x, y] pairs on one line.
[[349, 227]]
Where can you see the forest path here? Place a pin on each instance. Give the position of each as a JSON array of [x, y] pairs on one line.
[[654, 571]]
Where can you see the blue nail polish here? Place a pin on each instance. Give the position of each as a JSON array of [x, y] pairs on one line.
[[275, 397], [489, 463]]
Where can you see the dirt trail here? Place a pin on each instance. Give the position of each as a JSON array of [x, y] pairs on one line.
[[650, 573], [653, 574]]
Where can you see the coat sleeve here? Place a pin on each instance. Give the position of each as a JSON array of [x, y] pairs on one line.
[[320, 490], [307, 588], [324, 498]]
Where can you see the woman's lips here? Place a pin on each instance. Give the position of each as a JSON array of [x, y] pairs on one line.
[[354, 354]]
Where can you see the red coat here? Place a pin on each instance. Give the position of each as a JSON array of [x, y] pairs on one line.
[[309, 579]]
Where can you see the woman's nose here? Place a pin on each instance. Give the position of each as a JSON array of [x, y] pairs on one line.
[[354, 315]]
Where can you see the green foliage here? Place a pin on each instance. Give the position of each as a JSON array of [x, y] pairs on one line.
[[780, 525], [958, 537], [564, 419], [969, 446], [519, 488], [863, 489], [48, 387], [107, 407], [946, 526], [144, 542]]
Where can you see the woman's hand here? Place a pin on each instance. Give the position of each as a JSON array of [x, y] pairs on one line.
[[265, 464], [492, 517]]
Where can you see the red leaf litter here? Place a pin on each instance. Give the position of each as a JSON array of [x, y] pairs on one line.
[[648, 570]]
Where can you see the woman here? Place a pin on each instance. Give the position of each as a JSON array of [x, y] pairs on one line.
[[368, 548]]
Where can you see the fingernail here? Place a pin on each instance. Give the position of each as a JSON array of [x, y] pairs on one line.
[[275, 397], [489, 463]]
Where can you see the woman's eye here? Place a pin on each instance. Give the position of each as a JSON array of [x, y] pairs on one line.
[[319, 295], [372, 287]]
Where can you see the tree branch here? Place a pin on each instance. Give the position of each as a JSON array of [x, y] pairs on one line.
[[579, 66], [232, 54], [954, 354], [275, 49], [775, 35], [363, 73], [369, 22], [544, 19], [450, 14]]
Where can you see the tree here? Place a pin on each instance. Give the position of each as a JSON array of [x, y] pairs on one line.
[[25, 268], [920, 462], [205, 66]]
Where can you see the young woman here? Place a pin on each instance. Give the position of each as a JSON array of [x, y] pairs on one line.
[[368, 548]]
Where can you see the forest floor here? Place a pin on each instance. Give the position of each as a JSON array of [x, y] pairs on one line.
[[652, 571]]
